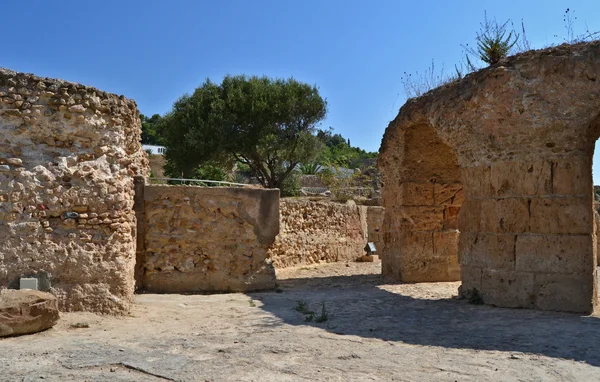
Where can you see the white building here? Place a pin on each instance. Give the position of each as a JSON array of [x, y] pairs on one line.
[[154, 150]]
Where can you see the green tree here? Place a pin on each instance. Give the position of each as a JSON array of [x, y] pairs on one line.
[[266, 124], [151, 130]]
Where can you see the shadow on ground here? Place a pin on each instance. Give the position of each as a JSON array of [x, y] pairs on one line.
[[359, 306]]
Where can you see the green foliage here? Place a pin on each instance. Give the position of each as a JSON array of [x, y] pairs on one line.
[[310, 315], [210, 171], [291, 185], [310, 168], [152, 133], [266, 124], [338, 152], [494, 41]]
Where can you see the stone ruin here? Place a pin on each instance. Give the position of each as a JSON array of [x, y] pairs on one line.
[[488, 180], [68, 155]]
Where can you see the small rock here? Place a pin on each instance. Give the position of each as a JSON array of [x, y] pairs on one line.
[[14, 161]]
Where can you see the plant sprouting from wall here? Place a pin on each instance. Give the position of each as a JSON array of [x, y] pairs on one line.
[[494, 41]]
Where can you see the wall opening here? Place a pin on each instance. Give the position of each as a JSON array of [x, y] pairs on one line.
[[422, 195]]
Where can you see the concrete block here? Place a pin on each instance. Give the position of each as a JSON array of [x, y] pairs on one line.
[[28, 283], [569, 293], [508, 289]]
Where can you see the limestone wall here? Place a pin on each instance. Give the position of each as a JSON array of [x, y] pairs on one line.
[[523, 134], [68, 154], [422, 196], [319, 231], [207, 239]]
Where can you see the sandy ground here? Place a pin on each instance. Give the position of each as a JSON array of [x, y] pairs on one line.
[[374, 332]]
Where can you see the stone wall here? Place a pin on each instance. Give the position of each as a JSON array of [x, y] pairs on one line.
[[375, 215], [319, 231], [68, 154], [206, 239], [423, 194], [523, 132]]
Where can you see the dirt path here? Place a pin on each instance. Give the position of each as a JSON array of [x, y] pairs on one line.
[[374, 332]]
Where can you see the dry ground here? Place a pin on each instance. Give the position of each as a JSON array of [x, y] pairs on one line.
[[375, 332]]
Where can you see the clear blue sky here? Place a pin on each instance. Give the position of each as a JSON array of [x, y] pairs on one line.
[[355, 51]]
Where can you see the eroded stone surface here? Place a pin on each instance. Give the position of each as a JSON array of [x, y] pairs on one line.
[[26, 311], [522, 133], [68, 154], [204, 239], [320, 231]]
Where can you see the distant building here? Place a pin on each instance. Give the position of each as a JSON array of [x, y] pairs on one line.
[[154, 150]]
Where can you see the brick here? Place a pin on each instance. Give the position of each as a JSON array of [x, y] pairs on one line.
[[505, 215], [488, 251], [507, 289], [572, 176], [569, 293], [521, 178], [555, 254], [561, 215]]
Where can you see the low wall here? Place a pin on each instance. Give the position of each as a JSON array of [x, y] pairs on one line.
[[68, 155], [204, 239], [319, 231]]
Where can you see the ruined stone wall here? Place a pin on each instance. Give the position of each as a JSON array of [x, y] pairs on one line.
[[523, 132], [68, 154], [207, 239], [375, 216], [422, 195], [319, 231]]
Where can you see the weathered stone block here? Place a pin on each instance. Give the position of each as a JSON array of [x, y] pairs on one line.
[[554, 253], [445, 244], [477, 182], [561, 215], [451, 217], [448, 194], [521, 178], [508, 289], [469, 216], [572, 176], [422, 218], [505, 215], [569, 293], [487, 250], [416, 194], [470, 277], [429, 269]]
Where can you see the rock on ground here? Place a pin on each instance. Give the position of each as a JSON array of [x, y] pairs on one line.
[[27, 311]]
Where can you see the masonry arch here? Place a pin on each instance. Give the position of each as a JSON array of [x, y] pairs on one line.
[[422, 194]]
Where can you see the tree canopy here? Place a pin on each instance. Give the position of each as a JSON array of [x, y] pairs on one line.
[[266, 124], [151, 130]]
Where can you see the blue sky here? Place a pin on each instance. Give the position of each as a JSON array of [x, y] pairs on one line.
[[356, 51]]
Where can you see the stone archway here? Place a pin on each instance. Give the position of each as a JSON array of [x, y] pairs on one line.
[[524, 133], [423, 198]]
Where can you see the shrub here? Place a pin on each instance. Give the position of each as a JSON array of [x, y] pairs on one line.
[[493, 43]]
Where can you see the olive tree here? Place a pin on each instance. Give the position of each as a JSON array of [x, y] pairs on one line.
[[266, 124]]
